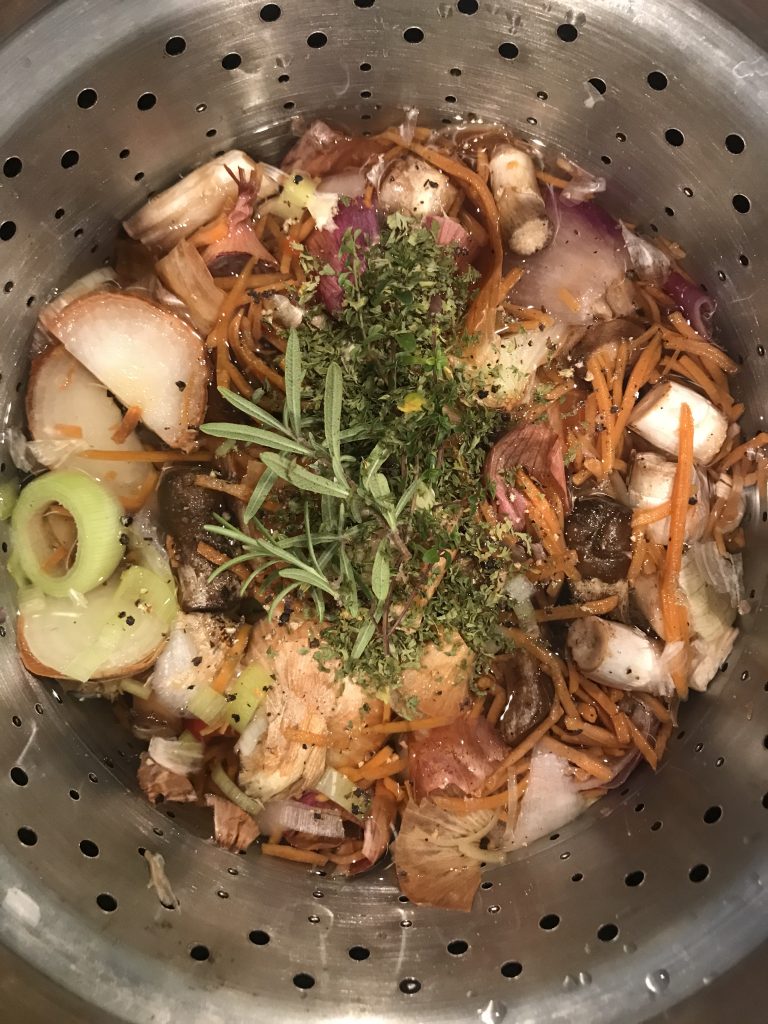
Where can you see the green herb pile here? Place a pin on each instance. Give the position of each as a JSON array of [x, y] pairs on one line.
[[383, 441]]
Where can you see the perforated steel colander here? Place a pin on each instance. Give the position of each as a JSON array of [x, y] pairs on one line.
[[658, 890]]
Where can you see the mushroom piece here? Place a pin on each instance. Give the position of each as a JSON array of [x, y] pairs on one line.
[[656, 418], [530, 695], [522, 212], [184, 510], [617, 655], [651, 480], [414, 187], [599, 530]]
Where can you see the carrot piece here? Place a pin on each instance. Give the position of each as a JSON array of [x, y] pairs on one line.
[[578, 757], [291, 853], [469, 804], [71, 430], [386, 728], [742, 450], [223, 677], [577, 611], [146, 456]]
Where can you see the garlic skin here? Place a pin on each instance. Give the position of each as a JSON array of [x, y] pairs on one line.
[[651, 480], [617, 655], [522, 212], [656, 418]]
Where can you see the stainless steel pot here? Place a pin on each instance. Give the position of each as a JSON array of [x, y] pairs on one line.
[[628, 912]]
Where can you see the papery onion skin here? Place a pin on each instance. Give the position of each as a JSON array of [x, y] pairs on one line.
[[697, 307], [325, 245], [538, 450]]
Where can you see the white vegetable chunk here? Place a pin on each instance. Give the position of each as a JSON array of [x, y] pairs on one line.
[[416, 188], [524, 222], [617, 655], [651, 480], [196, 648], [550, 801], [145, 355], [656, 418], [196, 200], [710, 617], [504, 366]]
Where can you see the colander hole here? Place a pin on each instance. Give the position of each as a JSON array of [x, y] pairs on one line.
[[7, 230], [270, 12], [674, 136], [577, 876], [719, 762], [465, 6], [607, 932], [199, 952], [639, 807], [12, 166], [106, 902], [303, 980], [74, 795], [531, 120], [210, 133], [92, 777], [621, 137], [599, 84], [765, 800], [450, 99], [508, 51], [413, 34], [734, 143], [146, 101], [70, 158], [283, 79], [541, 95], [258, 937], [486, 885], [634, 878], [359, 953], [657, 80], [669, 211], [175, 46], [456, 72], [16, 721], [289, 105], [313, 919], [88, 848], [231, 61], [687, 191], [365, 66], [512, 969], [87, 98], [39, 709], [744, 260], [458, 947], [316, 40], [549, 922], [410, 986], [222, 894], [364, 3], [606, 159], [568, 33], [124, 153], [365, 94], [403, 899], [713, 814], [656, 826], [27, 836], [19, 776], [740, 203], [699, 872], [77, 233], [8, 287]]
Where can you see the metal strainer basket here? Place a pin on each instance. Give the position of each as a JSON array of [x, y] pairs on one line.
[[659, 889]]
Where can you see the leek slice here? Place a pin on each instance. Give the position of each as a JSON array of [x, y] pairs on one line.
[[343, 791], [233, 792], [207, 705], [293, 199], [96, 515], [248, 693]]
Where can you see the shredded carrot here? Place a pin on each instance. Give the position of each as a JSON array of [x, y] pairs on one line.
[[383, 771], [56, 557], [306, 229], [497, 706], [291, 853], [385, 728], [743, 450], [518, 753], [378, 758], [654, 704], [469, 804], [588, 712], [223, 677], [477, 706], [570, 300], [551, 179], [508, 282], [368, 195], [577, 611], [639, 376], [314, 739], [590, 732], [212, 483], [235, 298], [622, 357], [604, 404], [638, 556], [483, 306], [146, 456], [216, 557], [215, 231], [673, 612], [696, 345], [642, 517], [71, 430], [483, 167], [642, 744], [762, 482], [394, 788], [275, 282], [578, 757]]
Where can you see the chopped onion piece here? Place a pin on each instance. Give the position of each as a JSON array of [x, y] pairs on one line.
[[550, 801], [182, 756], [207, 705], [290, 815], [656, 418], [145, 355], [184, 272]]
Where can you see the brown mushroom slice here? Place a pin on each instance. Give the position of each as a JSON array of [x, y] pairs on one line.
[[530, 694], [599, 530], [146, 356]]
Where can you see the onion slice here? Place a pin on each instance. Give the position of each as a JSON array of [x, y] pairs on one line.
[[145, 355], [290, 815], [550, 801], [63, 397]]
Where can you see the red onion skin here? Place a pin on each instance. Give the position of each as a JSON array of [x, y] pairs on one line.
[[240, 240], [538, 450], [324, 246], [697, 307], [460, 755]]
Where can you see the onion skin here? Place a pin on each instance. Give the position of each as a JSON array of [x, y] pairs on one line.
[[538, 450], [697, 307], [324, 245]]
